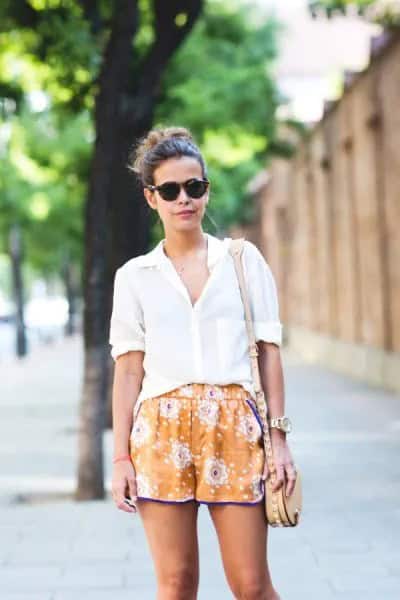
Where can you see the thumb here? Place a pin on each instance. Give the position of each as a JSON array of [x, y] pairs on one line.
[[265, 473], [132, 487]]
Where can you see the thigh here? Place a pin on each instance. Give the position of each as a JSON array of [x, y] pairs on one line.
[[242, 535], [171, 531]]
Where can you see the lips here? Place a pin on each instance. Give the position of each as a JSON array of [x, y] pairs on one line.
[[186, 212]]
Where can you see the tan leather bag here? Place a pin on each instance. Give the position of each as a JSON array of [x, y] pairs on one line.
[[280, 510]]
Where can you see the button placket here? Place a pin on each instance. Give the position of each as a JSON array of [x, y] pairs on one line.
[[197, 353]]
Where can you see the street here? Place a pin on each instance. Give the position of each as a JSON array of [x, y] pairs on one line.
[[346, 441]]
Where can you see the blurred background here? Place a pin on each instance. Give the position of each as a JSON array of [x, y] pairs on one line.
[[295, 106]]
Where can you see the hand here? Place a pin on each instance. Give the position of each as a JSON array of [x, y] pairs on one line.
[[283, 462], [124, 486]]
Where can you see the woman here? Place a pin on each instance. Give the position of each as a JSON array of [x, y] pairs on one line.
[[186, 428]]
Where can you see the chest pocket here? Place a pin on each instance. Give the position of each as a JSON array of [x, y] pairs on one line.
[[232, 342]]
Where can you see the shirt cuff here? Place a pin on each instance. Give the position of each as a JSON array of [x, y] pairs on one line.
[[268, 331], [123, 347]]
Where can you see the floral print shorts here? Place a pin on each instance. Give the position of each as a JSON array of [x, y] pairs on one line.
[[199, 442]]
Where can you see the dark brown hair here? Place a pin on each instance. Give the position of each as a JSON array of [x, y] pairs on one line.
[[159, 144]]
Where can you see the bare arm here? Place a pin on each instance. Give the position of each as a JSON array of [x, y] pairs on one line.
[[128, 377], [271, 374]]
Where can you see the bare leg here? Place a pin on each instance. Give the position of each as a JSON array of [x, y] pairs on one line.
[[171, 531], [242, 536]]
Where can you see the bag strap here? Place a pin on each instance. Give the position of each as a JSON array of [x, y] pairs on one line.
[[236, 250]]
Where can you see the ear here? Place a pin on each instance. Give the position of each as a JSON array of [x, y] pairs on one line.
[[150, 198]]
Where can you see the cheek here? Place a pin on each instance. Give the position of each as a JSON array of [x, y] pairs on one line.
[[164, 210], [203, 203]]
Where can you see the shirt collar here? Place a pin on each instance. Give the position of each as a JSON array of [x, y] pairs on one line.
[[157, 256]]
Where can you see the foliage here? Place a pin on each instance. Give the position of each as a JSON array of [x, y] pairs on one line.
[[220, 85], [43, 174]]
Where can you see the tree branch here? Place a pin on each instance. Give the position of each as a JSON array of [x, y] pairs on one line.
[[91, 12], [169, 36]]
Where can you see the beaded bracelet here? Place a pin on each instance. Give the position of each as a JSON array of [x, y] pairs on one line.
[[123, 457]]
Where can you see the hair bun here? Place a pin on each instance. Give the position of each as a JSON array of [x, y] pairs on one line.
[[160, 144], [154, 137]]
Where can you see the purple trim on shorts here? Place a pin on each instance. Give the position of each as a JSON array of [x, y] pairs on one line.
[[167, 501], [231, 502], [255, 414], [200, 501]]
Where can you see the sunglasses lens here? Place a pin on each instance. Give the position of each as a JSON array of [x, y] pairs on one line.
[[169, 191], [196, 189]]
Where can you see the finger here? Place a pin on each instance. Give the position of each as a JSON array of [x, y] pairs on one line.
[[123, 505], [265, 472], [120, 500], [291, 477], [280, 478], [132, 490]]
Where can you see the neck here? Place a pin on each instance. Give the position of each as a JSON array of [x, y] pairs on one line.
[[180, 244]]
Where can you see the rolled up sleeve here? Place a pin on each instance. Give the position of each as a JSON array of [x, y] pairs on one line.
[[126, 325], [263, 296]]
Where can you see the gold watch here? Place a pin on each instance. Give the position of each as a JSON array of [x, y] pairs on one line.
[[283, 423]]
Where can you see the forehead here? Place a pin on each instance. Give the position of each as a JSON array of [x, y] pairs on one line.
[[177, 169]]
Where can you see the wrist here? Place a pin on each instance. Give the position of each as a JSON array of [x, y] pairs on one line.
[[277, 434], [121, 458]]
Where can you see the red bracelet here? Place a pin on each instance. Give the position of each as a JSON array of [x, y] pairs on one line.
[[123, 457]]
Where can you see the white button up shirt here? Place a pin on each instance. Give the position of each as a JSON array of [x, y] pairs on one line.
[[183, 343]]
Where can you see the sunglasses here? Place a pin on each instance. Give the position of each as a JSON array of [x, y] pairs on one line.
[[170, 190]]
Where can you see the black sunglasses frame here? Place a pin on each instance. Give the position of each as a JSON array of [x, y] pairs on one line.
[[185, 185]]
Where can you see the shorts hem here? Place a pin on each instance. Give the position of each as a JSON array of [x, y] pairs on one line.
[[230, 502], [166, 501], [200, 501]]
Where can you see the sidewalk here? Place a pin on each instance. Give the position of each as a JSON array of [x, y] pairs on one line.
[[346, 440]]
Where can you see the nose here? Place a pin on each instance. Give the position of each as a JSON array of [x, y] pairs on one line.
[[182, 196]]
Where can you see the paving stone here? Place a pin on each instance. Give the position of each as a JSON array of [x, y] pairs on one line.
[[53, 548]]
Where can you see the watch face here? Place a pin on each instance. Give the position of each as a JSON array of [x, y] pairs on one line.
[[286, 424]]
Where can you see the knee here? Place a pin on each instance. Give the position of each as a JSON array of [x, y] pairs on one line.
[[180, 584], [253, 587]]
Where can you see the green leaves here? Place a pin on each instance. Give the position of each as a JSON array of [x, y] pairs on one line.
[[219, 84]]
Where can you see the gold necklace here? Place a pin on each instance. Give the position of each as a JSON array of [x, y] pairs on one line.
[[181, 268]]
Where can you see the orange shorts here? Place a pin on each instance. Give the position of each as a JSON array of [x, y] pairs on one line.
[[199, 442]]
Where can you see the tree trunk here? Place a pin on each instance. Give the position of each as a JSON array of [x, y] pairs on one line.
[[18, 289], [112, 81], [71, 293], [124, 111]]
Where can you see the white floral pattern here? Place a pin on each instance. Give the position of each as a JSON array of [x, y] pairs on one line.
[[186, 390], [214, 393], [256, 487], [140, 431], [180, 454], [170, 407], [208, 411], [216, 472], [144, 487], [249, 427], [202, 447]]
